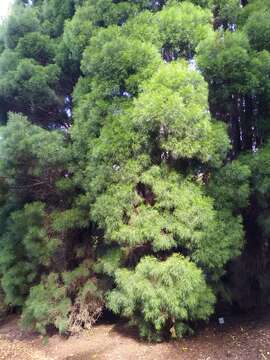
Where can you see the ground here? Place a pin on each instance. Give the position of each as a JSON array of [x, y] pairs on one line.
[[245, 338]]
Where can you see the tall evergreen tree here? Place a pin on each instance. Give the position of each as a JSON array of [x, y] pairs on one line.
[[134, 161]]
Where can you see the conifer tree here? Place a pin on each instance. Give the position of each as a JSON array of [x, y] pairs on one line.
[[134, 161]]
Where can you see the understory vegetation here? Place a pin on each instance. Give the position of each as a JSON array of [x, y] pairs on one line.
[[134, 162]]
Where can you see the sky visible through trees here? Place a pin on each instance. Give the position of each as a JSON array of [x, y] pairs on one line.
[[4, 8]]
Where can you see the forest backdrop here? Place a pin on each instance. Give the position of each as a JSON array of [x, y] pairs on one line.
[[134, 161]]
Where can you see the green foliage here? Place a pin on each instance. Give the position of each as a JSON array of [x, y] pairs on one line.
[[230, 186], [238, 81], [77, 33], [53, 14], [110, 261], [25, 248], [143, 27], [202, 3], [117, 64], [30, 164], [116, 177], [160, 220], [248, 190], [29, 157], [224, 60], [258, 29], [30, 88], [47, 304], [145, 208], [3, 307], [173, 110], [22, 20], [36, 46], [9, 61], [181, 28], [260, 183], [105, 12], [68, 301], [29, 77], [252, 7], [226, 12], [68, 219], [161, 296]]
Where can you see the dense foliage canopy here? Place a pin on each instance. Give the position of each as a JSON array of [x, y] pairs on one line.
[[134, 168]]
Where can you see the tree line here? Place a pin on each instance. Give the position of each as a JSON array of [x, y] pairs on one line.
[[134, 161]]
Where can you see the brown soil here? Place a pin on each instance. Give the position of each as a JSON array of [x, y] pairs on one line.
[[239, 338]]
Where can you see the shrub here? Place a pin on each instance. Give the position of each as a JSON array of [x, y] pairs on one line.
[[69, 301], [162, 296], [3, 306]]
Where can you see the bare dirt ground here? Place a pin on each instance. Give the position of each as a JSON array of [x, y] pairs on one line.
[[240, 338]]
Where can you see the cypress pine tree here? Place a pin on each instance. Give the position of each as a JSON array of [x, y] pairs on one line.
[[124, 183]]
